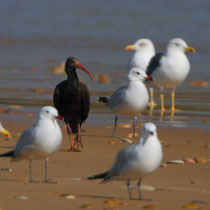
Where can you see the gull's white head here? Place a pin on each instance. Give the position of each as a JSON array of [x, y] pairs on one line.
[[48, 112], [141, 44], [148, 130], [136, 74], [179, 44]]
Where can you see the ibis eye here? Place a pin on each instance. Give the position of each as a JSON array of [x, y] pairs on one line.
[[137, 73]]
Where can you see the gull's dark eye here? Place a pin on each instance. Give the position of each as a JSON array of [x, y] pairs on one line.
[[137, 73], [47, 111], [177, 44], [142, 44]]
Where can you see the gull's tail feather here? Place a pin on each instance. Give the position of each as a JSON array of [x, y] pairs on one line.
[[98, 176], [103, 99], [8, 154]]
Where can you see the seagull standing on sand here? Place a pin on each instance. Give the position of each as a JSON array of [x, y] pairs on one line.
[[129, 100], [136, 161], [171, 68], [144, 51], [38, 141], [4, 131]]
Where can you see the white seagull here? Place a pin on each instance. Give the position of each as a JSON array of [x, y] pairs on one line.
[[129, 100], [144, 51], [136, 161], [38, 141], [170, 69], [4, 131]]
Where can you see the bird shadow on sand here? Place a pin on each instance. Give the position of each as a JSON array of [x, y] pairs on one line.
[[98, 196], [12, 180], [7, 147], [27, 181], [98, 135]]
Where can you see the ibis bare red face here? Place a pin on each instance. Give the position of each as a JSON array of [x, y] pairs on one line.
[[80, 66]]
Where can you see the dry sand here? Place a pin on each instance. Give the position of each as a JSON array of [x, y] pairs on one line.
[[176, 185]]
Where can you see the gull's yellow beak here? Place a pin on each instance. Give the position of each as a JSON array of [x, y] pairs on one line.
[[189, 49], [130, 47], [5, 133]]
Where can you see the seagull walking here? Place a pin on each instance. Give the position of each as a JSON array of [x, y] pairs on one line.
[[38, 141], [129, 100], [170, 69], [136, 161], [72, 100]]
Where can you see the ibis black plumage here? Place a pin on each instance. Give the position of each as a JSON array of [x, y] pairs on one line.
[[72, 100]]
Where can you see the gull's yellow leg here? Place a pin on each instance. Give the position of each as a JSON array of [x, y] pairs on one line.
[[152, 103], [173, 100], [162, 104]]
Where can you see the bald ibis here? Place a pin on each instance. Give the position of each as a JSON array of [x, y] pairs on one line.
[[72, 100]]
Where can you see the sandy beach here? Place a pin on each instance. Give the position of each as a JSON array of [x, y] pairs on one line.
[[175, 186]]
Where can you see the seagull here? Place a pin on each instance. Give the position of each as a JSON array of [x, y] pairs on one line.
[[129, 100], [136, 161], [38, 141], [170, 69], [4, 131], [144, 51], [72, 100]]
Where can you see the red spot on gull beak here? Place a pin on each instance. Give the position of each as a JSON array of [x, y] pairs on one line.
[[60, 117], [149, 78]]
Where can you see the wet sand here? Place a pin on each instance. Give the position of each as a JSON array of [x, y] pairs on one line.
[[176, 185]]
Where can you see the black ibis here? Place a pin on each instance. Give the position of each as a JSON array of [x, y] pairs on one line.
[[72, 100]]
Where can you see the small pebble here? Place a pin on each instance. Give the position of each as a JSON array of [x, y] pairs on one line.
[[58, 69], [112, 202], [103, 78], [125, 126], [175, 162], [125, 140], [163, 165], [76, 179], [86, 206], [21, 197], [190, 206], [2, 110], [6, 169], [201, 160], [199, 83], [67, 196], [189, 160], [147, 187], [130, 135], [112, 142], [150, 207]]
